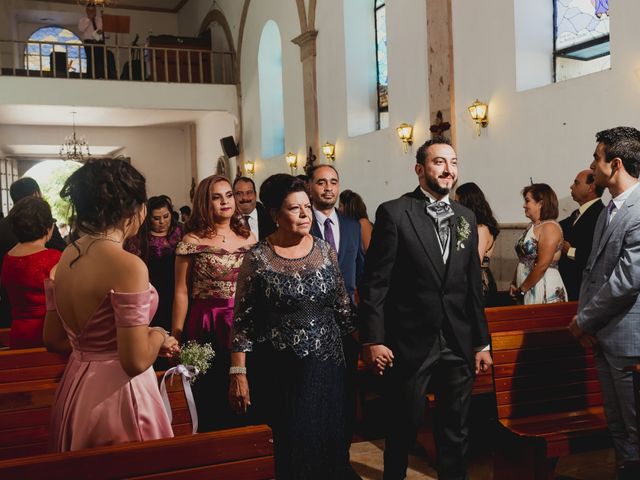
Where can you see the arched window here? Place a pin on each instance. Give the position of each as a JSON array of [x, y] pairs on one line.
[[271, 90], [37, 56], [380, 15]]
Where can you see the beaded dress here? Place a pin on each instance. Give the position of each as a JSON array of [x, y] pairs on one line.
[[291, 314]]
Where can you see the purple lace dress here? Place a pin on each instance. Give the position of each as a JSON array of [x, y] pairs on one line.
[[160, 260]]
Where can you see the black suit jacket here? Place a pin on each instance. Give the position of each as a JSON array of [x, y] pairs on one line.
[[580, 236], [409, 295], [350, 251], [265, 224]]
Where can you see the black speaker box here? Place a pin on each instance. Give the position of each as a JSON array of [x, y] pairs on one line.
[[229, 147]]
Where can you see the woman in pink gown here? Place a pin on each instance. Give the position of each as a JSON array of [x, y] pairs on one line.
[[99, 306]]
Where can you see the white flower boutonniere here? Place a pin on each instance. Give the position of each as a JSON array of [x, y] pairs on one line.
[[462, 232]]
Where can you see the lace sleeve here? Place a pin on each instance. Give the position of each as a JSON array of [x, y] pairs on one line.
[[344, 308], [244, 311]]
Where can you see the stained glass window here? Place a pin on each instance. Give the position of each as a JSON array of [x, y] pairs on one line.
[[581, 38], [38, 55], [380, 11]]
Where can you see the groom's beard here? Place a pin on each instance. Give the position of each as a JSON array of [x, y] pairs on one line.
[[436, 188]]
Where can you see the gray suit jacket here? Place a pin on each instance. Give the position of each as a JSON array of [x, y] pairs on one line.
[[609, 305]]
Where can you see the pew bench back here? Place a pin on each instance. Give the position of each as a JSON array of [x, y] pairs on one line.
[[241, 453]]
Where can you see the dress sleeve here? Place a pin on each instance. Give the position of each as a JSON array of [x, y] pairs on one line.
[[132, 309], [49, 295], [344, 308], [184, 248], [244, 312]]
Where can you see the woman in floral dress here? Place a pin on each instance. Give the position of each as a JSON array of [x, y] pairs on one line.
[[207, 262]]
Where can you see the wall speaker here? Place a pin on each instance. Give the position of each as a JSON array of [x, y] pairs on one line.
[[229, 147]]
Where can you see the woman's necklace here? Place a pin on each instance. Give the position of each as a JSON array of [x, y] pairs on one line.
[[104, 237], [224, 238]]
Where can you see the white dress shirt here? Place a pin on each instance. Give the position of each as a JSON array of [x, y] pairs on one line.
[[253, 222], [620, 199], [87, 32]]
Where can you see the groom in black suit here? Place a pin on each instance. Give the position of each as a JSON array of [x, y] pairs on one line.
[[421, 312]]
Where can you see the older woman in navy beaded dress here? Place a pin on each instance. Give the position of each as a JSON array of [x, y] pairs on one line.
[[291, 311]]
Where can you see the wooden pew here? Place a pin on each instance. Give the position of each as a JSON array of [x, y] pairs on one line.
[[4, 337], [241, 453], [25, 406], [547, 391]]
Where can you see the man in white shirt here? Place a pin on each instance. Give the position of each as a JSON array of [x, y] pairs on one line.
[[578, 229], [254, 213], [92, 36]]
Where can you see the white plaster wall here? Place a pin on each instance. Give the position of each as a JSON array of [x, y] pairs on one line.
[[209, 130], [546, 133], [160, 153]]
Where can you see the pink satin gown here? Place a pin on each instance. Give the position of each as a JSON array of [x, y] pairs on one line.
[[97, 403]]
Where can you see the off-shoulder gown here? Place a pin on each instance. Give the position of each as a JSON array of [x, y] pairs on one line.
[[97, 403]]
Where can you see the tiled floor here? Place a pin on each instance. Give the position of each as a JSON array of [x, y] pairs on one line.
[[366, 458]]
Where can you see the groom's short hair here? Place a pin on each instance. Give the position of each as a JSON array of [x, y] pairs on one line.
[[421, 154], [622, 143]]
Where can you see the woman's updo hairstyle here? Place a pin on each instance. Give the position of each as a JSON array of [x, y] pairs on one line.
[[277, 187], [30, 219], [102, 193]]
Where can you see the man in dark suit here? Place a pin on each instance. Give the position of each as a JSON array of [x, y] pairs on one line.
[[24, 187], [343, 233], [421, 312], [257, 217], [578, 231]]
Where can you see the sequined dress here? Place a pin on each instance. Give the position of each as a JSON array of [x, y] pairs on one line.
[[291, 314], [212, 289], [550, 288]]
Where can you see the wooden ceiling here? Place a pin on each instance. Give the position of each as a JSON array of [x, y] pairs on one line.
[[160, 6]]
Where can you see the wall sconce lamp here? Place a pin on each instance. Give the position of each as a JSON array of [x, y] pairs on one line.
[[250, 167], [478, 112], [329, 150], [292, 161], [405, 132]]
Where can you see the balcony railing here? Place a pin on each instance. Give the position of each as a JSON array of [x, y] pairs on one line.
[[112, 62]]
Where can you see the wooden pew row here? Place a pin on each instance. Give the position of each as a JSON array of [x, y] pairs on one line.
[[241, 453], [4, 337], [25, 410], [548, 396], [20, 365]]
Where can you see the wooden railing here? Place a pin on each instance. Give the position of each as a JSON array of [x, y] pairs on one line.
[[113, 62]]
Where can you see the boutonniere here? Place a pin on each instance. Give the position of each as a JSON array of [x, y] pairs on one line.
[[462, 232]]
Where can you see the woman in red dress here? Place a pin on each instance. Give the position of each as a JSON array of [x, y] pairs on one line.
[[24, 269]]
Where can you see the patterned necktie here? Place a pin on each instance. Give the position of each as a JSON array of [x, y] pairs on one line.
[[328, 234], [441, 212], [574, 216]]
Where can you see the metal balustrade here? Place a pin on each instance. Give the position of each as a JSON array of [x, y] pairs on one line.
[[91, 61]]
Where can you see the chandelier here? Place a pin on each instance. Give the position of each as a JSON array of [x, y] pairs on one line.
[[74, 148], [98, 3]]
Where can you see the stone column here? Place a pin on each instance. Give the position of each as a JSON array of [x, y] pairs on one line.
[[307, 44], [440, 60]]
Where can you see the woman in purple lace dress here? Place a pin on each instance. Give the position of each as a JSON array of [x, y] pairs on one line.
[[156, 244], [207, 263]]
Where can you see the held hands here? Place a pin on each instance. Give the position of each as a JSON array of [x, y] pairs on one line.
[[483, 361], [586, 339], [513, 291], [565, 247], [170, 347], [239, 398], [378, 357]]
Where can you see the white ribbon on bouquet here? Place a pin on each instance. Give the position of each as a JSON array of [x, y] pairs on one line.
[[186, 372]]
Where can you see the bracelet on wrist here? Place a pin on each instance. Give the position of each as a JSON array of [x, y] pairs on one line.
[[237, 370], [161, 330]]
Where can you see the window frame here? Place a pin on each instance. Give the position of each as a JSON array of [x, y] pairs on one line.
[[380, 108]]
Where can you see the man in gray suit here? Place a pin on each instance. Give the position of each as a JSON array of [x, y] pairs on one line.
[[609, 305]]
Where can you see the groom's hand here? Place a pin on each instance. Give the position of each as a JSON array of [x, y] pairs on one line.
[[378, 357], [483, 361]]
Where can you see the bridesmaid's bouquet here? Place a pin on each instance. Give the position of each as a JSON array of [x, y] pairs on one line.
[[197, 356]]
